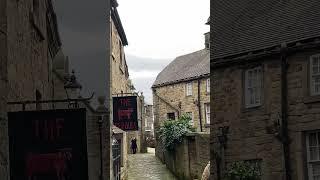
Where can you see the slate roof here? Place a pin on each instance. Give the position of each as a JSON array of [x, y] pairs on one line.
[[117, 21], [248, 25], [186, 67]]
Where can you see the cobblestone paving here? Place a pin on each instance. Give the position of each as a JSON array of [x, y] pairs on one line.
[[146, 166]]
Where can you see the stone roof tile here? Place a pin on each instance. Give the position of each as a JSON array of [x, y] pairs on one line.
[[185, 67], [250, 25]]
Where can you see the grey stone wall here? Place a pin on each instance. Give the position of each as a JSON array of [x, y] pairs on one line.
[[24, 63], [189, 158], [251, 131], [27, 49]]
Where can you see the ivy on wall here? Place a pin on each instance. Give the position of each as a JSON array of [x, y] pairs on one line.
[[244, 170], [172, 131]]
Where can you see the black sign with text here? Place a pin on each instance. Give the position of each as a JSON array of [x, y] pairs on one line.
[[125, 114], [48, 145]]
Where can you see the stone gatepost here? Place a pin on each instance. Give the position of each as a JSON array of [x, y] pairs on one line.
[[106, 139]]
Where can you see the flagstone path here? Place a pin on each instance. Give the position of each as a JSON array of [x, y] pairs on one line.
[[147, 167]]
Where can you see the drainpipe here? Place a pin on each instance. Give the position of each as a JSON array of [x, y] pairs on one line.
[[284, 110], [199, 105]]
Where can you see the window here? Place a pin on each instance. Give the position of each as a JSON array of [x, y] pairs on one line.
[[207, 111], [171, 116], [208, 85], [313, 155], [253, 87], [189, 89], [315, 74], [190, 114]]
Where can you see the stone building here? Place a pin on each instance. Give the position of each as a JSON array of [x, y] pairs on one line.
[[120, 73], [183, 87], [29, 41], [149, 120], [265, 74], [33, 67], [122, 86]]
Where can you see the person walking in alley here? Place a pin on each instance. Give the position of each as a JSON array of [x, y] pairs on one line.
[[134, 145]]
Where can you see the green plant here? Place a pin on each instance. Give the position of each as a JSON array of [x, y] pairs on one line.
[[243, 170], [172, 131]]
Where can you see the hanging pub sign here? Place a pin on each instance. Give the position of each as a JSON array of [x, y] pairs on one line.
[[125, 114], [48, 145]]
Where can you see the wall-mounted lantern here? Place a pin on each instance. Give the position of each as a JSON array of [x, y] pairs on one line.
[[73, 89]]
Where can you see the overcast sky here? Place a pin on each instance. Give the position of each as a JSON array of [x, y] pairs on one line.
[[157, 32]]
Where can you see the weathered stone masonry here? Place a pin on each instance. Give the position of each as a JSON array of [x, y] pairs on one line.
[[252, 134], [25, 61]]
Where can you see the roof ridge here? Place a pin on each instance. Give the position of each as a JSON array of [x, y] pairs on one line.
[[185, 67]]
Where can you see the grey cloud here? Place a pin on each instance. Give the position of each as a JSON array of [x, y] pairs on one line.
[[81, 15], [82, 28], [144, 85], [140, 63]]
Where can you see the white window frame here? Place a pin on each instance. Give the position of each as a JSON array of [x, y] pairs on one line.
[[189, 89], [207, 112], [253, 87], [192, 119], [208, 85], [313, 84], [310, 161]]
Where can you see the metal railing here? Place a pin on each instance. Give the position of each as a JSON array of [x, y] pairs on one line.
[[116, 157]]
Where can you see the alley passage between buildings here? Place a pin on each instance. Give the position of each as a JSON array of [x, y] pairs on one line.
[[147, 167]]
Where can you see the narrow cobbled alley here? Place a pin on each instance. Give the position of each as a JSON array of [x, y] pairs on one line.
[[147, 167]]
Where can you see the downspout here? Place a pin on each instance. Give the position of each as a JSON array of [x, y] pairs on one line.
[[199, 105], [284, 110]]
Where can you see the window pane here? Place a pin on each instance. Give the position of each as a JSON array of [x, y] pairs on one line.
[[258, 96], [313, 139], [315, 65], [314, 69], [314, 153], [251, 98], [316, 88], [316, 177], [318, 138], [316, 170]]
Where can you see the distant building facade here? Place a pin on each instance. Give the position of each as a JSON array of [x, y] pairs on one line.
[[149, 120], [265, 88], [183, 87]]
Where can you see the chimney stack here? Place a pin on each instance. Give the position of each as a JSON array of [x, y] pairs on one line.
[[207, 36], [207, 40]]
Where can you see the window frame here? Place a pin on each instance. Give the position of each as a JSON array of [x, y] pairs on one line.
[[307, 146], [187, 88], [311, 74], [246, 96], [208, 85], [206, 105]]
